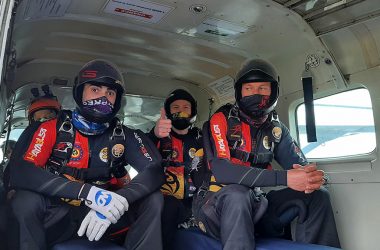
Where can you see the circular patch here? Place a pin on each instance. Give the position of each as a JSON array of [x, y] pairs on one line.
[[77, 153], [276, 132], [192, 152], [103, 154], [266, 142], [118, 150], [202, 226]]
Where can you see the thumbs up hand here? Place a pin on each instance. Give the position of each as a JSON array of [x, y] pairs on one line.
[[163, 125]]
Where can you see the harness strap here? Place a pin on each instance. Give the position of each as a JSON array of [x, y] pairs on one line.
[[64, 143], [234, 136], [116, 151], [63, 148], [166, 148]]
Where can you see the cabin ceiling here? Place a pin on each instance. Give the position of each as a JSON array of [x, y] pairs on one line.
[[350, 29], [193, 43]]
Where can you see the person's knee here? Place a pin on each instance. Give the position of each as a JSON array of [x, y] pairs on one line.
[[321, 196], [237, 196], [156, 200], [26, 203]]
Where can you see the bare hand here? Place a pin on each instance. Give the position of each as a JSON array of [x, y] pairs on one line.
[[163, 125], [297, 179], [311, 180]]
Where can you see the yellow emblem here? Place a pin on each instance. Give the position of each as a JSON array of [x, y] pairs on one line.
[[192, 152], [276, 132], [103, 154], [266, 142], [118, 150]]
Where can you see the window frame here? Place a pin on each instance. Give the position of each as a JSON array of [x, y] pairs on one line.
[[294, 129]]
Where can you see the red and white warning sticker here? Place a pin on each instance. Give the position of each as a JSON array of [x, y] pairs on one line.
[[138, 9]]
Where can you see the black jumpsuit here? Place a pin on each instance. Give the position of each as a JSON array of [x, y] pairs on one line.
[[228, 213], [44, 218], [183, 159]]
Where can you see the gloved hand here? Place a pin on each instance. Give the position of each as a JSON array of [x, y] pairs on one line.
[[108, 203], [96, 225]]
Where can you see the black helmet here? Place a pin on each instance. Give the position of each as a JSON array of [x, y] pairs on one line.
[[258, 70], [104, 73], [181, 94]]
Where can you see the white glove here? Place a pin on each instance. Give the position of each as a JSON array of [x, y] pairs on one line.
[[96, 225], [109, 204]]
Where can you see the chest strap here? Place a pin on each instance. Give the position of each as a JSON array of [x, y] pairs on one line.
[[235, 137]]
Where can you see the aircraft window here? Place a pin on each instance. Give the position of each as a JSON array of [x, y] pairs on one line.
[[140, 112], [14, 135], [344, 125]]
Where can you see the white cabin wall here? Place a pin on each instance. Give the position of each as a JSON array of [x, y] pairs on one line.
[[354, 181]]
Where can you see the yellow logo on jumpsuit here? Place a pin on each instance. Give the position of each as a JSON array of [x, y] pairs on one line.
[[222, 147], [40, 139]]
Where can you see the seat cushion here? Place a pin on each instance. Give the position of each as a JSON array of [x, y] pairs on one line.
[[84, 244], [194, 239]]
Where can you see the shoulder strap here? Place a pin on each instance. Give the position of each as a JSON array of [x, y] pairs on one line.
[[166, 150], [273, 130], [64, 142], [234, 133], [64, 145]]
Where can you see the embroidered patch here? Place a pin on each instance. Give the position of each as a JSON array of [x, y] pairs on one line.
[[103, 154], [276, 132], [192, 152], [77, 153], [266, 142], [118, 150]]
